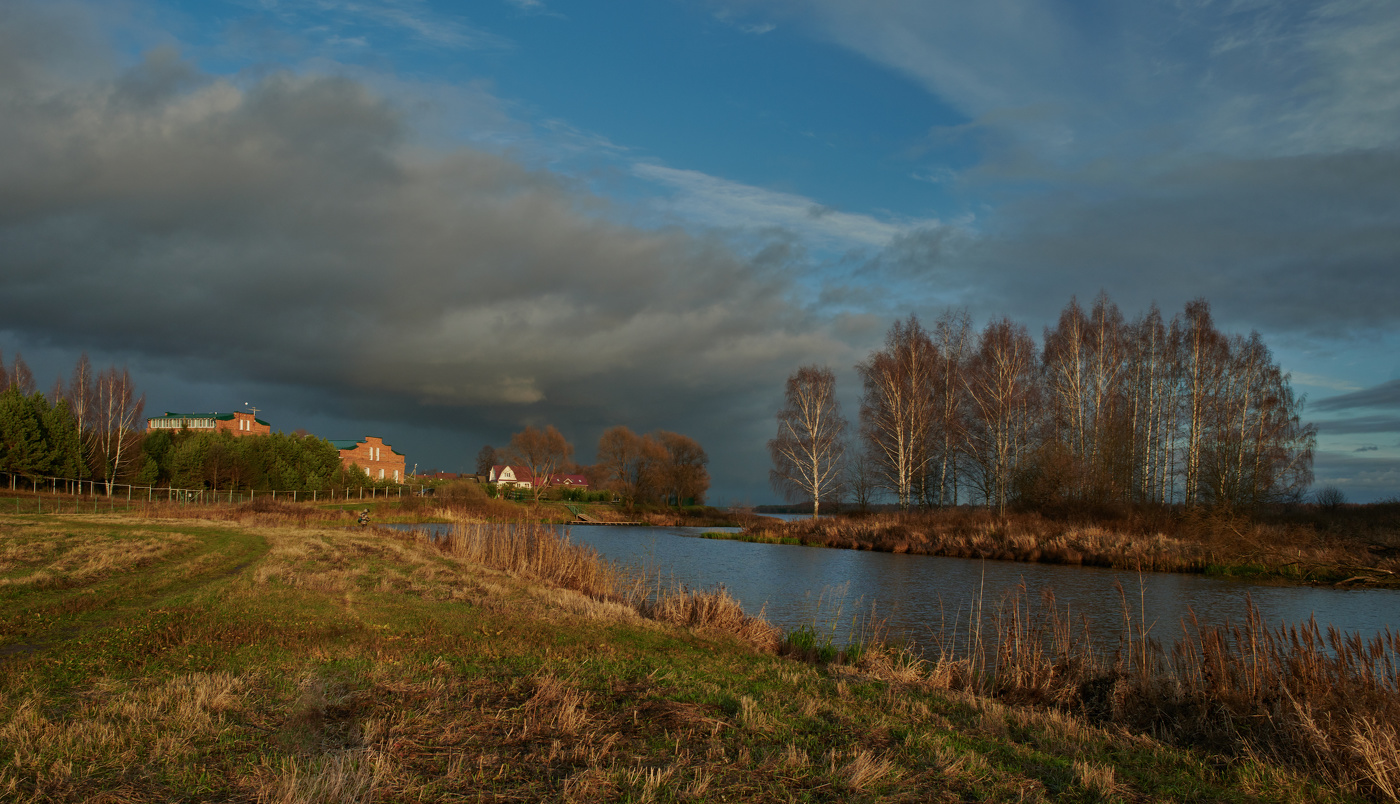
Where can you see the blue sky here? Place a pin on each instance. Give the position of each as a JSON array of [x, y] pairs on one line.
[[438, 222]]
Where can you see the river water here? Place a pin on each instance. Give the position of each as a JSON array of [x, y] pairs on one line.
[[917, 596]]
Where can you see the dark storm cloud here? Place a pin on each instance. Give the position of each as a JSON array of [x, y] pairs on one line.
[[1363, 478], [1385, 395], [1359, 424], [289, 231], [1288, 244]]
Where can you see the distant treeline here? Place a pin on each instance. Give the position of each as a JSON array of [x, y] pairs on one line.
[[91, 428], [219, 460], [1104, 411]]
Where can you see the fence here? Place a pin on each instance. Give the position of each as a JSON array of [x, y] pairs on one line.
[[61, 490]]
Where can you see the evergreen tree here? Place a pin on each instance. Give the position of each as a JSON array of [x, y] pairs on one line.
[[23, 451]]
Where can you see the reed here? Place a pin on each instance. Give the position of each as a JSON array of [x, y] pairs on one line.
[[536, 552], [541, 553], [1304, 696]]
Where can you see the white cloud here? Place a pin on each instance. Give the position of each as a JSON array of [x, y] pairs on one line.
[[1321, 381], [412, 17], [1155, 79], [727, 204]]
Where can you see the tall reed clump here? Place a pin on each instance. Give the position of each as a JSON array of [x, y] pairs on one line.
[[534, 551], [1324, 701], [699, 608], [540, 553]]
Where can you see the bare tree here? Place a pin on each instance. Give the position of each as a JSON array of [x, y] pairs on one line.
[[1152, 401], [810, 448], [683, 474], [81, 394], [1002, 385], [860, 478], [116, 417], [1330, 498], [542, 452], [897, 409], [952, 335], [18, 375], [485, 459], [630, 462], [1201, 351], [1257, 449]]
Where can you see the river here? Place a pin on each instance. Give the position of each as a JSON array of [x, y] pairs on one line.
[[915, 595]]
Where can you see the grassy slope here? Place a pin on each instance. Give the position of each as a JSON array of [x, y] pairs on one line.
[[144, 661]]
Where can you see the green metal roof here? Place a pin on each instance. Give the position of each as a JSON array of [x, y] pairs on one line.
[[345, 443], [223, 417]]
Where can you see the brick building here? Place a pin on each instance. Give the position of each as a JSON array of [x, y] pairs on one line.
[[371, 454], [239, 423]]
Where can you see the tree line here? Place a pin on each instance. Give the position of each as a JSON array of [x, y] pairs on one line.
[[91, 427], [657, 468], [1104, 410], [84, 429]]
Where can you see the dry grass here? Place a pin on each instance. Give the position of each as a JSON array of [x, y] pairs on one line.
[[42, 564], [372, 665], [540, 553], [1301, 696], [705, 609], [1148, 540]]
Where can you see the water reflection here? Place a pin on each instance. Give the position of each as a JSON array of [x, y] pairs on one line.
[[794, 586]]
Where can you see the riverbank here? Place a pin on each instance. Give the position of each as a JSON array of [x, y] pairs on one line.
[[1215, 545], [254, 659]]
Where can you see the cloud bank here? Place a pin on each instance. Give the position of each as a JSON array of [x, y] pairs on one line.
[[288, 230]]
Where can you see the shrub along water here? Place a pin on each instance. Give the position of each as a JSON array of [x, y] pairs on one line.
[[1199, 541]]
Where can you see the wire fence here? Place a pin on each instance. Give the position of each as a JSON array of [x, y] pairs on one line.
[[63, 495]]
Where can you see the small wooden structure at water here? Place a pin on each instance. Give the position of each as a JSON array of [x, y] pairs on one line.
[[591, 520]]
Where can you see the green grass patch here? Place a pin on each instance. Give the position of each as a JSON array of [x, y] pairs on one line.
[[758, 537]]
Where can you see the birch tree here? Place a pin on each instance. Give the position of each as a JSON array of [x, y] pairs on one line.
[[1002, 386], [81, 395], [810, 448], [952, 338], [1201, 352], [897, 409], [116, 417]]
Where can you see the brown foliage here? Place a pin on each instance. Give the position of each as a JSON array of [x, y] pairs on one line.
[[1142, 538]]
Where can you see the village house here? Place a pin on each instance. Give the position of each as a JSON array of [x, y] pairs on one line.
[[371, 454], [239, 423], [520, 476]]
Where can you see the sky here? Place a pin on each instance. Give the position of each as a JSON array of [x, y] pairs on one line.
[[440, 222]]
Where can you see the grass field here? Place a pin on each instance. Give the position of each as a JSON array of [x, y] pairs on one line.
[[260, 661]]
